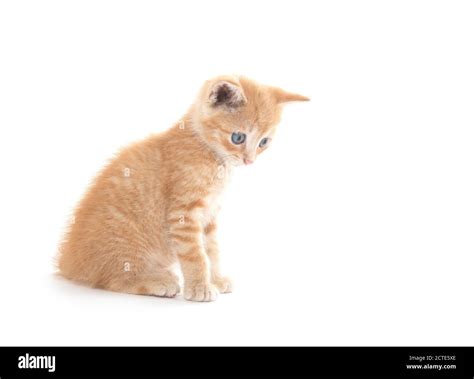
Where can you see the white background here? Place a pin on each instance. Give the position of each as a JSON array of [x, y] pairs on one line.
[[355, 228]]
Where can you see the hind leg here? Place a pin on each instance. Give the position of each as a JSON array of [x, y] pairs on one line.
[[163, 284]]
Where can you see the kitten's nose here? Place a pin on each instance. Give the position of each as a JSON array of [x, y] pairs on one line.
[[248, 161]]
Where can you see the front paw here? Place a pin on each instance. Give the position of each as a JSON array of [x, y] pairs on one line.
[[223, 284], [200, 292]]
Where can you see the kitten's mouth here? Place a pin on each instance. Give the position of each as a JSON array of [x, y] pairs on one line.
[[235, 160]]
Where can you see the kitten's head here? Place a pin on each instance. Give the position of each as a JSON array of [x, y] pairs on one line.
[[237, 117]]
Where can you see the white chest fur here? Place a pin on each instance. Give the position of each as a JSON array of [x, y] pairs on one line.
[[213, 200]]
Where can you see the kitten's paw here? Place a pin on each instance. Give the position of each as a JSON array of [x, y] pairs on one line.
[[164, 289], [200, 292], [224, 284]]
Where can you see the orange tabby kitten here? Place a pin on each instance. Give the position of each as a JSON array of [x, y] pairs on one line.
[[155, 203]]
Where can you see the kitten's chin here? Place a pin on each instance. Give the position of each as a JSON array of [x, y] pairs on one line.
[[226, 158], [234, 161], [237, 164]]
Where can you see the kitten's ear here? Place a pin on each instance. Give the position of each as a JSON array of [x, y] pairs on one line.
[[227, 93], [284, 97]]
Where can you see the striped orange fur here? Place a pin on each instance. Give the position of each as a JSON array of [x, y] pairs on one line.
[[156, 202]]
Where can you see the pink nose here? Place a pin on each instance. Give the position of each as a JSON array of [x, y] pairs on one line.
[[248, 161]]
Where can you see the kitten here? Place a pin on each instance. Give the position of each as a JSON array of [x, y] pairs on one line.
[[155, 204]]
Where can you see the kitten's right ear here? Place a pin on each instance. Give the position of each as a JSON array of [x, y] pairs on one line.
[[284, 97], [228, 94]]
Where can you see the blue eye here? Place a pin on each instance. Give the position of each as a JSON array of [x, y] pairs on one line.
[[238, 138], [264, 142]]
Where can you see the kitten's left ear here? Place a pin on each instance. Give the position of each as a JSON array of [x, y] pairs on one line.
[[284, 97], [227, 93]]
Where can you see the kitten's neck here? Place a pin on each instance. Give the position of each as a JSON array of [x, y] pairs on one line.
[[190, 125]]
